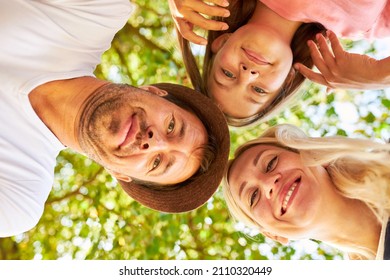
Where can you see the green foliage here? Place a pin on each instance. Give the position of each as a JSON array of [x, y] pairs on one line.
[[88, 216]]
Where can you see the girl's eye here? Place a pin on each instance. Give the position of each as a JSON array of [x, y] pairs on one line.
[[228, 73], [258, 90], [272, 163], [171, 126], [253, 197], [156, 162]]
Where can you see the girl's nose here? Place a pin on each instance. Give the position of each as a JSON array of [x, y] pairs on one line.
[[248, 73]]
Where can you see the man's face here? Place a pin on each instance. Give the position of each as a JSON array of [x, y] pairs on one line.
[[138, 134]]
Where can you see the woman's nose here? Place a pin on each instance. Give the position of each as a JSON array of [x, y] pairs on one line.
[[269, 185], [268, 190]]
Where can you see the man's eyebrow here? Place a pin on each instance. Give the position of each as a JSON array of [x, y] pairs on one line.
[[165, 170], [182, 129]]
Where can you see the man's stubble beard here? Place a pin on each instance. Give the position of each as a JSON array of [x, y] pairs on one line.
[[97, 120]]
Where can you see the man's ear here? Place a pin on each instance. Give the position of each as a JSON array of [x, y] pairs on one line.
[[218, 42], [119, 176], [280, 239], [154, 90]]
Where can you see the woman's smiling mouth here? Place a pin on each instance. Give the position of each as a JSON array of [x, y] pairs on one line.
[[292, 189]]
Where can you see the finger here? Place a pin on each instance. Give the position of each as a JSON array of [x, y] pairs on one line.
[[210, 10], [196, 39], [335, 43], [329, 90], [318, 60], [205, 23], [311, 75], [326, 52], [185, 29], [222, 3]]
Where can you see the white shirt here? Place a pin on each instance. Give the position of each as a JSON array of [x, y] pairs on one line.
[[42, 40]]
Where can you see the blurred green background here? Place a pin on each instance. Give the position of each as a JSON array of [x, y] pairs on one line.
[[88, 216]]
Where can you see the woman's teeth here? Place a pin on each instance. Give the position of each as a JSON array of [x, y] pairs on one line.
[[287, 197]]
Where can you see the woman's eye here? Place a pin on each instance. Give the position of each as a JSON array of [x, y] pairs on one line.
[[253, 197], [228, 73], [171, 125], [258, 90], [156, 162], [271, 164]]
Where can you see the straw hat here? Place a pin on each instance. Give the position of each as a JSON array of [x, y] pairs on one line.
[[194, 192]]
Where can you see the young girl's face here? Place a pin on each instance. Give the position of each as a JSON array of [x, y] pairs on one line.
[[249, 69], [273, 187]]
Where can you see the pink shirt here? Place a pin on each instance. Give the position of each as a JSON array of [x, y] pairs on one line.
[[353, 19]]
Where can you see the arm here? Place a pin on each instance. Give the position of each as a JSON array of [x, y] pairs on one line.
[[188, 13], [340, 69]]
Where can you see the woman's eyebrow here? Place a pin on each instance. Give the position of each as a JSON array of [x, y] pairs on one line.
[[256, 159], [242, 186]]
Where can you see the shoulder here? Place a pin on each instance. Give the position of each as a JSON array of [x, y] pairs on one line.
[[21, 206]]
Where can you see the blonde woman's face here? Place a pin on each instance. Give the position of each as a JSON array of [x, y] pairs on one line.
[[249, 69], [273, 187]]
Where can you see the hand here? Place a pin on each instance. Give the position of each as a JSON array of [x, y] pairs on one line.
[[188, 13], [340, 69]]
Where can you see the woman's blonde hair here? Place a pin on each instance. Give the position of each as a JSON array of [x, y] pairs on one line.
[[359, 168], [240, 12]]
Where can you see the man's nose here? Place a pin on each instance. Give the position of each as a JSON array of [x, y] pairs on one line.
[[152, 140], [248, 73]]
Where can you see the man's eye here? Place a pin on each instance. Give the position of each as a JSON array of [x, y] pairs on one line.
[[253, 197], [272, 163], [156, 162], [258, 90], [171, 126], [228, 73]]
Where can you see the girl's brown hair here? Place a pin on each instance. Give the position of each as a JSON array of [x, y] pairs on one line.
[[240, 12]]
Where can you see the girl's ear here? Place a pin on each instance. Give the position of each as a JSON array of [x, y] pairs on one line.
[[280, 239], [154, 90], [218, 42], [119, 176]]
